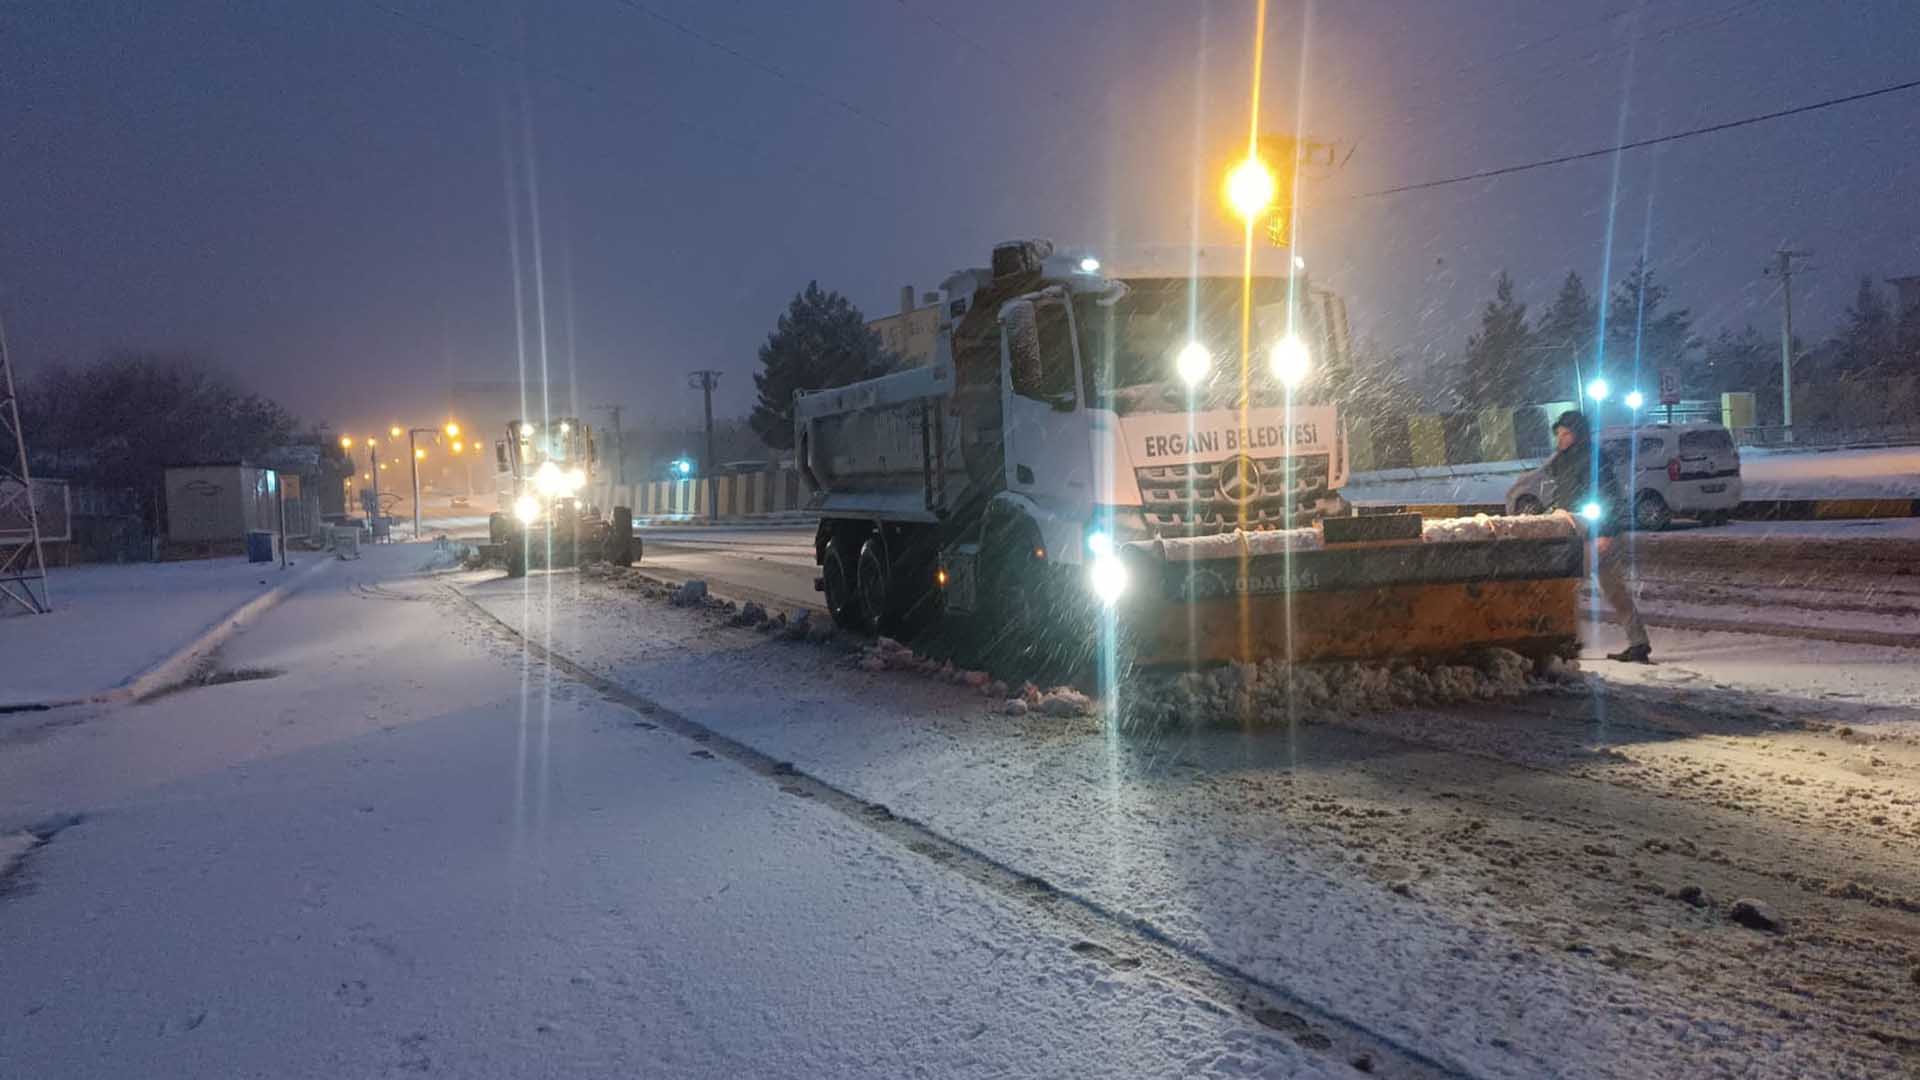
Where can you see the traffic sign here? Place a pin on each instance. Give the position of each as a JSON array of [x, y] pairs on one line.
[[1669, 386]]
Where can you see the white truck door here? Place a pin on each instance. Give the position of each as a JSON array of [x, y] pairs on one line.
[[1049, 445]]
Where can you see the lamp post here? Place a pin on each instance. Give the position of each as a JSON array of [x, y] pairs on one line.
[[415, 454]]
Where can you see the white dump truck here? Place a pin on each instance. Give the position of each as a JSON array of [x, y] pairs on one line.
[[1087, 436]]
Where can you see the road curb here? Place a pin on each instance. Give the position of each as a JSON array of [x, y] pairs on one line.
[[177, 667], [181, 664]]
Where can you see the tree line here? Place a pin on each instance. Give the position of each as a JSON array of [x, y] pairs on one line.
[[1510, 360], [120, 421]]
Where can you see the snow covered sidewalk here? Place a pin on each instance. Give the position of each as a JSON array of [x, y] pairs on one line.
[[417, 850], [112, 624]]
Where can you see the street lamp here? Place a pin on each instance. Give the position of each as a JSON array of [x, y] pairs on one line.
[[1250, 189], [453, 430], [1635, 399], [394, 431], [1597, 390], [346, 442]]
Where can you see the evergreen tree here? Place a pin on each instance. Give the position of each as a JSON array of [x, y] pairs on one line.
[[1498, 358], [1563, 336], [1643, 334], [1867, 340], [821, 341]]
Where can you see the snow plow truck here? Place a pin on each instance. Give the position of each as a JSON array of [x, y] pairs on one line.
[[548, 520], [1086, 442]]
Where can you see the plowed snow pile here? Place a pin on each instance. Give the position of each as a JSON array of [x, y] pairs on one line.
[[1273, 691]]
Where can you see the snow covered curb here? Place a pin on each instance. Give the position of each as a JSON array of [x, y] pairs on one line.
[[182, 664]]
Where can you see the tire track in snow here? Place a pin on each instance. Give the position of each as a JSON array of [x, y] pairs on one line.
[[1126, 943]]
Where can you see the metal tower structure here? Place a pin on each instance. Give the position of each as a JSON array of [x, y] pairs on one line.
[[23, 566]]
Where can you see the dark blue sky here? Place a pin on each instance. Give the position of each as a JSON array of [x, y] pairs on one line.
[[316, 194]]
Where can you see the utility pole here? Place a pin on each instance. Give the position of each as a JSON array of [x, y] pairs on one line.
[[24, 567], [705, 381], [620, 446], [1785, 270]]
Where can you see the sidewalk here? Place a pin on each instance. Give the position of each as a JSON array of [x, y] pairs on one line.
[[111, 624]]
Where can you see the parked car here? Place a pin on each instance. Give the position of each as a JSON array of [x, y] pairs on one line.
[[459, 502], [1689, 470]]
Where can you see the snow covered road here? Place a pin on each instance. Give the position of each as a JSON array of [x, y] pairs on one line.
[[402, 846], [1511, 891]]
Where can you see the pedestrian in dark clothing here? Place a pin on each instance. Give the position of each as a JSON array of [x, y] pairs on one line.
[[1583, 483]]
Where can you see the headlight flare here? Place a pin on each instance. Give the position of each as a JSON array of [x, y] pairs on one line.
[[1107, 577], [527, 509], [1290, 360], [1193, 363], [1591, 511]]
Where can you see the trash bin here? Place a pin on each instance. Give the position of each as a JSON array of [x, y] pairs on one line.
[[259, 545]]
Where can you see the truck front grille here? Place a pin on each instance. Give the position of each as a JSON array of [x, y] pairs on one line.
[[1205, 497]]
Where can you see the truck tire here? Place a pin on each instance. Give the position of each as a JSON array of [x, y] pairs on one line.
[[620, 541], [517, 556], [497, 528], [874, 576], [836, 579]]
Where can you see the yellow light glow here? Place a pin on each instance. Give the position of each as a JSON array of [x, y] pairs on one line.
[[453, 429], [1250, 188], [458, 446], [346, 442], [394, 431], [419, 455]]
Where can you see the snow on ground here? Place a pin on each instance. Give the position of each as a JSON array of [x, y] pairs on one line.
[[1360, 873], [112, 622], [1889, 472], [416, 852]]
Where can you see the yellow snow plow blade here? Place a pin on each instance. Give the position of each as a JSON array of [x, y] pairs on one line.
[[1359, 589]]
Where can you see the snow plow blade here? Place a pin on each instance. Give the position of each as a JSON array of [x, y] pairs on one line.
[[1387, 589]]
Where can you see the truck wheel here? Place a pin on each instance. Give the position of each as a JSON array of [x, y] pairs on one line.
[[875, 577], [517, 556], [496, 528], [836, 574], [1651, 512]]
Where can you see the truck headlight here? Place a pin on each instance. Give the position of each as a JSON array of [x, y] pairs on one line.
[[527, 509], [548, 479], [576, 479], [1107, 577], [1591, 511], [1290, 360]]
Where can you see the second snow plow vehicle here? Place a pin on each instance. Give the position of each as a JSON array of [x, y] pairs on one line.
[[545, 486], [1075, 447]]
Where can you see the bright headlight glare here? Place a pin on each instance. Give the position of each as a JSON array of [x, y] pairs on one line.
[[1591, 511], [1193, 363], [576, 479], [1290, 360], [1107, 576], [1099, 543], [527, 509], [548, 479]]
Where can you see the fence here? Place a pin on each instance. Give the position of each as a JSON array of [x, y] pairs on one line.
[[51, 504], [743, 495]]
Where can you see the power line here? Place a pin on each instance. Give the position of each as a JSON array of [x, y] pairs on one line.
[[1639, 144], [760, 65], [560, 76]]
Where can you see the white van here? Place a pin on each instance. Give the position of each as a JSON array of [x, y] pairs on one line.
[[1689, 470]]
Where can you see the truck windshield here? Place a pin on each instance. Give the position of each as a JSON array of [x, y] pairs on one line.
[[1128, 351]]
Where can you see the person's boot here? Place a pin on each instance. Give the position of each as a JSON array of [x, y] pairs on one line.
[[1633, 654]]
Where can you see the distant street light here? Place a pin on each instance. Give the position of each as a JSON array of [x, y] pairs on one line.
[[1635, 399], [453, 430], [1598, 389], [346, 442], [394, 431]]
